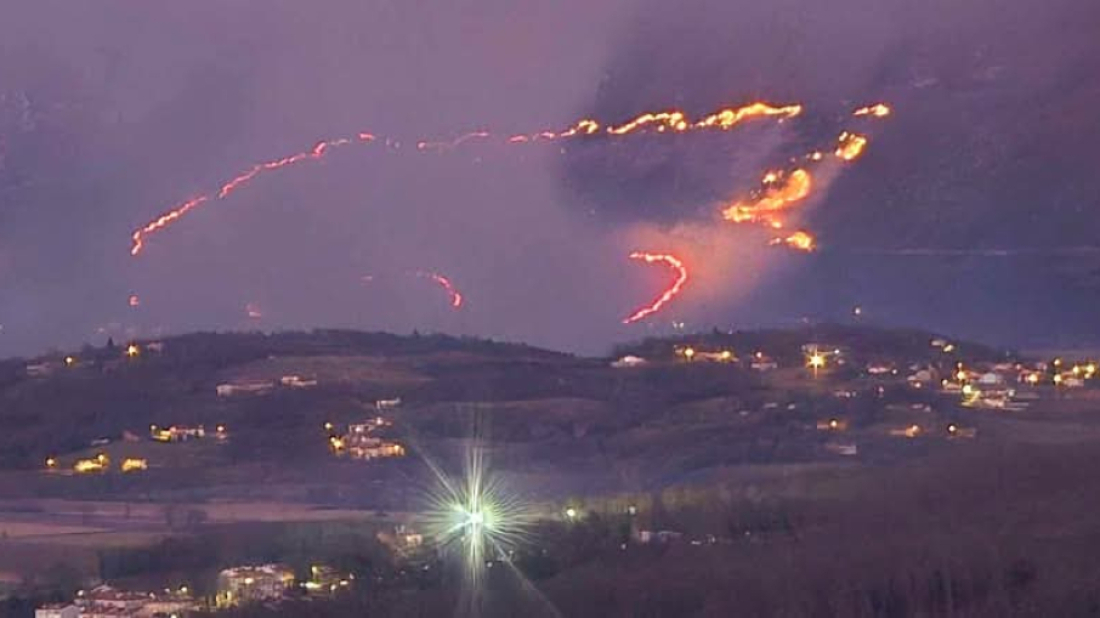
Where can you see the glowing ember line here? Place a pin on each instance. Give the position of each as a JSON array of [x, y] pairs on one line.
[[677, 121], [317, 152], [164, 221], [445, 283], [669, 293]]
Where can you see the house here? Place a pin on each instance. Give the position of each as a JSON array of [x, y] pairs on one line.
[[294, 381], [373, 448], [843, 449], [325, 580], [956, 431], [244, 387], [176, 433], [134, 464], [920, 378], [387, 404], [659, 536], [57, 610], [41, 370], [253, 584], [762, 362], [832, 424], [991, 379], [107, 602], [402, 539], [909, 431], [628, 361], [880, 369]]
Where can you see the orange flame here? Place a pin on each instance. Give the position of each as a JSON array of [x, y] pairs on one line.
[[164, 221], [675, 120], [781, 193], [802, 241], [878, 110], [850, 146], [317, 152], [669, 293]]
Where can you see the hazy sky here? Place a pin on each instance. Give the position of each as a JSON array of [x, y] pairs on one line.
[[113, 111]]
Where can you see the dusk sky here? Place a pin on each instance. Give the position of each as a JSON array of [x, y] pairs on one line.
[[972, 211]]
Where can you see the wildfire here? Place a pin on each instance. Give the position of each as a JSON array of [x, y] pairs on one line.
[[164, 221], [850, 146], [780, 194], [669, 293], [318, 151], [451, 145], [878, 110], [802, 241], [677, 121], [445, 283]]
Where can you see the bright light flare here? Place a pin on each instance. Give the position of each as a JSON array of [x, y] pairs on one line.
[[677, 285], [476, 514]]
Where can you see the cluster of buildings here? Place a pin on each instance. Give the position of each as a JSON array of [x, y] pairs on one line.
[[99, 464], [271, 583], [246, 386], [254, 584], [183, 433], [362, 442], [48, 367], [107, 602], [242, 585]]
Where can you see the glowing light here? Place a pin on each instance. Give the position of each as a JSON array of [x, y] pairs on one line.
[[133, 350], [134, 465], [671, 292], [134, 301], [800, 241], [778, 196], [70, 361], [878, 110], [476, 514], [850, 146], [448, 286], [816, 360]]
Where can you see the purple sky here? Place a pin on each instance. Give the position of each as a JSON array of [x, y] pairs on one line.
[[113, 111]]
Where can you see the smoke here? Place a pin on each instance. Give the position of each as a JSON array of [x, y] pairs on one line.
[[111, 112]]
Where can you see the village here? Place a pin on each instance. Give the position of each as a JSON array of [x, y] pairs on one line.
[[343, 439]]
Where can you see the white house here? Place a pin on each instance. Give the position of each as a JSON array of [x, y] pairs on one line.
[[57, 610]]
